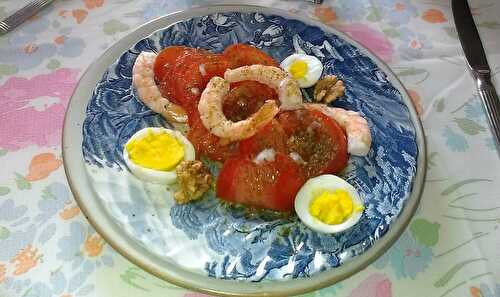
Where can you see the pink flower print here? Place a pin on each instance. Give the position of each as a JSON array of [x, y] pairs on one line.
[[375, 40], [376, 285], [32, 110]]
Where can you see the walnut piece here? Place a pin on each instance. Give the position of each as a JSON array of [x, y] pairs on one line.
[[328, 89], [193, 179]]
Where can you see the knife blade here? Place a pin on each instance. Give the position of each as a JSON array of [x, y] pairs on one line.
[[478, 64]]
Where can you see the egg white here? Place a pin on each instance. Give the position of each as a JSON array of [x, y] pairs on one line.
[[314, 69], [152, 175], [326, 182]]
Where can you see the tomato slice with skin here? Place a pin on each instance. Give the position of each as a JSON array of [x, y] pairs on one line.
[[213, 65], [165, 70], [269, 185], [317, 139], [188, 79], [166, 61], [243, 54], [271, 136], [206, 143], [245, 98]]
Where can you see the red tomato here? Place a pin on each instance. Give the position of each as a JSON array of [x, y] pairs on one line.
[[164, 68], [193, 72], [213, 65], [270, 185], [243, 54], [189, 82], [166, 61], [207, 144], [245, 98], [270, 136], [318, 139]]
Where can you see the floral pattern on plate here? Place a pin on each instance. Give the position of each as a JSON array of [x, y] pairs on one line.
[[233, 245]]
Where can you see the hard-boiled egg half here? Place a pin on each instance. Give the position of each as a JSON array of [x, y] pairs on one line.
[[305, 69], [328, 204], [152, 154]]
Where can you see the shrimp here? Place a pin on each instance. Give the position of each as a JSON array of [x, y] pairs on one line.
[[149, 94], [356, 127], [213, 118], [288, 89]]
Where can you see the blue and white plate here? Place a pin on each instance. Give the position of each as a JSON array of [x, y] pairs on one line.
[[198, 245]]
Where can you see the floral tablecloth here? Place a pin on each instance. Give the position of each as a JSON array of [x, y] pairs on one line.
[[451, 248]]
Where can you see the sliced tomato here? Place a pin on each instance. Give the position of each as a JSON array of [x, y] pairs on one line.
[[165, 70], [207, 144], [271, 136], [317, 139], [243, 54], [245, 98], [213, 65], [166, 61], [189, 82], [269, 185]]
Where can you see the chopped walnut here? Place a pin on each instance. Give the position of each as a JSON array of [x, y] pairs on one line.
[[328, 89], [193, 179]]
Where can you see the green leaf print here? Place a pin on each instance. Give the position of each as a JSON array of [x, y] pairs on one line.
[[489, 25], [4, 233], [450, 273], [47, 194], [451, 31], [373, 14], [469, 126], [114, 26], [425, 232], [7, 69], [130, 277], [21, 182], [431, 159], [53, 64], [411, 71], [3, 152], [391, 32], [439, 104], [4, 191], [460, 184]]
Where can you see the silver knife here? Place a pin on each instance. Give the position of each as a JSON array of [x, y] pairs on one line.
[[18, 17], [476, 58]]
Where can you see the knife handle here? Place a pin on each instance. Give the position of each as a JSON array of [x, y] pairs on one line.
[[491, 104]]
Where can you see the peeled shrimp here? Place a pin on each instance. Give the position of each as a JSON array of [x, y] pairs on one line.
[[213, 118], [288, 89], [356, 127], [149, 94]]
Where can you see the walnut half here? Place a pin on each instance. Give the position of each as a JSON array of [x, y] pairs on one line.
[[193, 179], [328, 89]]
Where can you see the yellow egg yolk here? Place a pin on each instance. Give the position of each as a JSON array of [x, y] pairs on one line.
[[333, 207], [298, 69], [159, 151]]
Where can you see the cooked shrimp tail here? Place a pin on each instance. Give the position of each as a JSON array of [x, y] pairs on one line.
[[359, 139], [144, 82], [213, 118], [287, 88]]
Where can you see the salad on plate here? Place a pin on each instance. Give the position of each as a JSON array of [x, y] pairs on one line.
[[276, 148]]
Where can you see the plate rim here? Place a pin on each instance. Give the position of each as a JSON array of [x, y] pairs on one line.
[[93, 209]]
